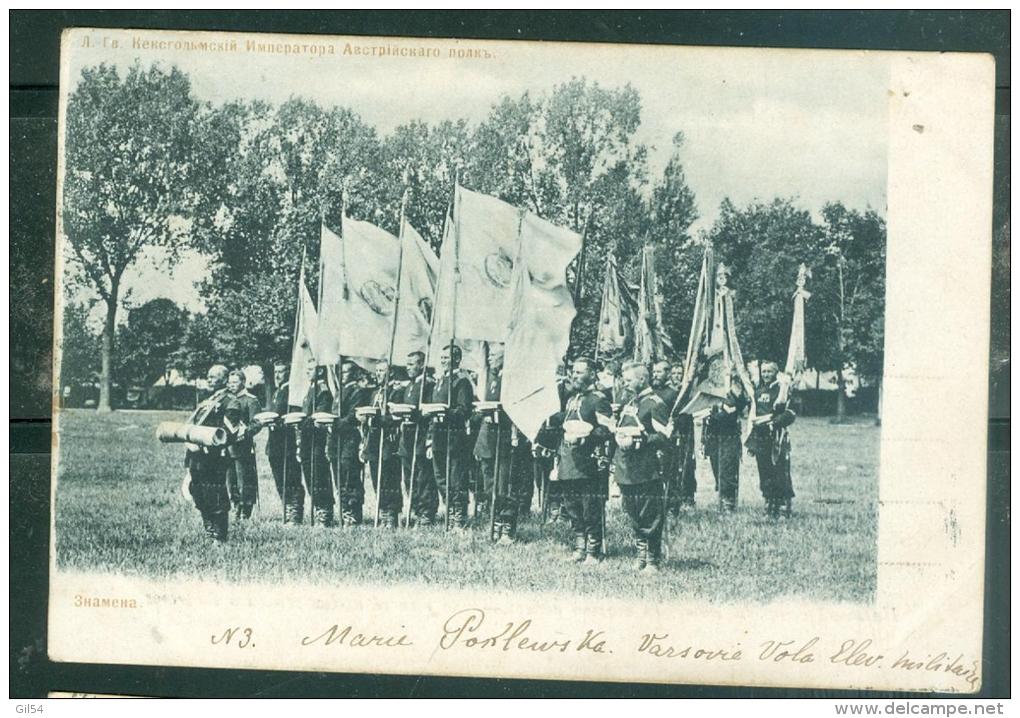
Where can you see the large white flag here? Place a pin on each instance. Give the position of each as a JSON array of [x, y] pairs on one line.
[[418, 277], [303, 353], [359, 278], [542, 310], [476, 267]]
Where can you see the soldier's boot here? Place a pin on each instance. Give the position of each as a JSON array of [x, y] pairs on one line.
[[592, 550], [208, 525], [220, 522], [323, 516], [237, 512], [292, 514], [508, 534], [788, 508], [654, 557], [246, 510], [388, 519], [497, 532], [642, 555], [458, 521], [580, 544], [482, 510]]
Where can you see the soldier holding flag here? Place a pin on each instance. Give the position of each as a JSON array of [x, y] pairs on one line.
[[449, 442], [281, 450], [314, 438], [381, 448], [419, 478], [769, 442]]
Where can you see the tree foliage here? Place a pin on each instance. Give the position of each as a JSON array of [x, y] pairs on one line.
[[148, 341], [133, 180], [248, 183]]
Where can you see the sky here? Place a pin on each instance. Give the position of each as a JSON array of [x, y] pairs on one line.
[[810, 125]]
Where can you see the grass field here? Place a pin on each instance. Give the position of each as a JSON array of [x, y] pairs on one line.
[[119, 509]]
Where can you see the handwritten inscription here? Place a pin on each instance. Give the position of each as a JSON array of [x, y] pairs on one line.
[[351, 638], [657, 645], [243, 635], [941, 663], [789, 651], [464, 630], [470, 629]]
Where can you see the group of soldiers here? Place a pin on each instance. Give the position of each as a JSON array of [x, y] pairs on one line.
[[424, 439]]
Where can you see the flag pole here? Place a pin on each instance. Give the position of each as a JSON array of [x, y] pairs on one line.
[[384, 389], [421, 398], [453, 336], [293, 343], [315, 374]]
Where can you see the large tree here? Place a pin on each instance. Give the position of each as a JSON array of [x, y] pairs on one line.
[[130, 184], [148, 341], [79, 346]]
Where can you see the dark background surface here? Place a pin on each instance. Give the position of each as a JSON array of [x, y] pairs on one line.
[[34, 70]]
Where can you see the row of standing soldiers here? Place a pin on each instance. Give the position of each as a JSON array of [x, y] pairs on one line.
[[652, 457]]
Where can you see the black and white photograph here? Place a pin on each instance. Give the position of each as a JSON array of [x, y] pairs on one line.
[[531, 338]]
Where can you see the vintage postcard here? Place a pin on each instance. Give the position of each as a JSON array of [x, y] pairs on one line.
[[522, 359]]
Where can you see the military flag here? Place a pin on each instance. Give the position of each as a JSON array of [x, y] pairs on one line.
[[617, 314], [714, 359], [303, 352], [541, 311], [651, 343], [796, 357], [418, 279], [358, 292]]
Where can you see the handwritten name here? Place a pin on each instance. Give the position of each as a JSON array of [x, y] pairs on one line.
[[349, 637], [464, 629]]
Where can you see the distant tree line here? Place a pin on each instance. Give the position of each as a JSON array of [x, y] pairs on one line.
[[246, 184]]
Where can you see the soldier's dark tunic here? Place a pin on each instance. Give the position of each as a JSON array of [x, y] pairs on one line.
[[281, 450], [721, 439], [391, 500], [314, 461], [769, 443], [581, 482], [499, 439], [637, 472], [683, 437], [208, 469], [544, 451], [670, 468], [459, 394], [242, 472], [418, 475], [344, 451]]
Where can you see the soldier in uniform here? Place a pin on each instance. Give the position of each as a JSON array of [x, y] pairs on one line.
[[347, 444], [641, 440], [207, 465], [414, 429], [769, 442], [242, 473], [313, 444], [683, 438], [721, 443], [582, 474], [281, 450], [381, 430], [660, 385], [449, 431], [498, 438]]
